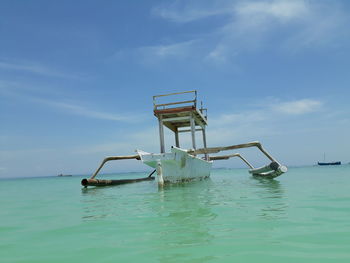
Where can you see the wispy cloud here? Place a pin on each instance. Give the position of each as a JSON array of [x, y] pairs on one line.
[[242, 117], [282, 10], [265, 111], [20, 91], [83, 111], [250, 24], [174, 50], [152, 55], [261, 120], [127, 143], [75, 109], [298, 107], [35, 68], [192, 10], [188, 11]]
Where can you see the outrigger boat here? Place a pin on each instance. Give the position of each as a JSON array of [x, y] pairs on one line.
[[183, 165]]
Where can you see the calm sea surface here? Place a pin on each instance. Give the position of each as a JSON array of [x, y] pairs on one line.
[[302, 216]]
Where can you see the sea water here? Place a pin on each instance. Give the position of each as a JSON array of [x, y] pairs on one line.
[[301, 216]]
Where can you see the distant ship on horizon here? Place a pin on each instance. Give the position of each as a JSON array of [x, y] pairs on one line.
[[331, 163], [328, 163]]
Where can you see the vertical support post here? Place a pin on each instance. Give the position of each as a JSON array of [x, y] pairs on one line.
[[177, 142], [205, 142], [160, 174], [195, 99], [161, 134], [193, 130]]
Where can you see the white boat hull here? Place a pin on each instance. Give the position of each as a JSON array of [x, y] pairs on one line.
[[177, 166]]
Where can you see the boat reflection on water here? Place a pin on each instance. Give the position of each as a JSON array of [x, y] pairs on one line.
[[186, 215], [115, 201], [272, 188], [273, 204]]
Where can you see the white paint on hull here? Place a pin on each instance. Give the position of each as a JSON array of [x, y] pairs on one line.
[[177, 166]]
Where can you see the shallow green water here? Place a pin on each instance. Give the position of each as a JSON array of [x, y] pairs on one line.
[[303, 216]]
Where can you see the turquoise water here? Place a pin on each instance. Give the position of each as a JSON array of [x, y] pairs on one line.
[[302, 216]]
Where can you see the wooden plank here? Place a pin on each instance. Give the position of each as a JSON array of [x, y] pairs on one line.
[[176, 114], [176, 93], [174, 103], [174, 110], [176, 119], [188, 130]]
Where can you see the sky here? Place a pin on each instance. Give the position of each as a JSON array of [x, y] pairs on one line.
[[77, 79]]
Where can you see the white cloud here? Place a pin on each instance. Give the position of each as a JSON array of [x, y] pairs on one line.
[[150, 55], [265, 112], [35, 68], [17, 90], [298, 107], [260, 122], [250, 24], [188, 11], [89, 113], [325, 26], [241, 117], [80, 110], [280, 9], [125, 144], [192, 10], [174, 50]]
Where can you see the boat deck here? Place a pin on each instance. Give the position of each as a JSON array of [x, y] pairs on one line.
[[174, 116], [179, 117]]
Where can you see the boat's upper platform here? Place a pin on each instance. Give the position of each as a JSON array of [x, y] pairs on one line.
[[180, 115]]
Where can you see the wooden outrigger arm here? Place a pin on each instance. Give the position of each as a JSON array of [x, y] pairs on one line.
[[113, 158], [226, 157], [97, 182], [271, 170], [232, 147]]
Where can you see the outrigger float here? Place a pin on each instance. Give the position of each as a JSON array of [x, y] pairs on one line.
[[183, 165]]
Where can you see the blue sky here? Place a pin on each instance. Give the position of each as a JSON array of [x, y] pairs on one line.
[[77, 79]]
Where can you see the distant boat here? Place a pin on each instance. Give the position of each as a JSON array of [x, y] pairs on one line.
[[328, 163], [332, 163], [64, 175]]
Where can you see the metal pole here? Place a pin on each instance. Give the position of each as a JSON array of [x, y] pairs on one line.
[[204, 142], [193, 130], [177, 142], [161, 134]]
